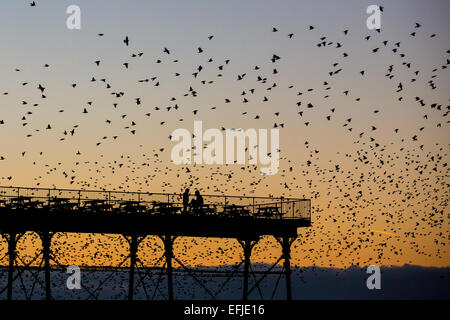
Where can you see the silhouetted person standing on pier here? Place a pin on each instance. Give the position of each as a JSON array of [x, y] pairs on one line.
[[199, 198], [185, 200], [197, 202]]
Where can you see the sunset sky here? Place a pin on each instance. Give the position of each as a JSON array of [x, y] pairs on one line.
[[379, 163]]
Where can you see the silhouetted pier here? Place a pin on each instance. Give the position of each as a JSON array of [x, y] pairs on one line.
[[136, 215]]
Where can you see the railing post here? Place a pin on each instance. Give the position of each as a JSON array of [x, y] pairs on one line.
[[281, 205], [293, 209], [253, 210]]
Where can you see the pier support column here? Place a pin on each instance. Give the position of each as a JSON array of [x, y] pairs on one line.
[[247, 246], [46, 239], [134, 242], [12, 242], [286, 243], [133, 251], [168, 253]]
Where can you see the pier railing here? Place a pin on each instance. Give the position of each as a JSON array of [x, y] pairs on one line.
[[151, 203]]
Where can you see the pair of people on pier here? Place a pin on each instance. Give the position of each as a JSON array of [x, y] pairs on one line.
[[195, 203]]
